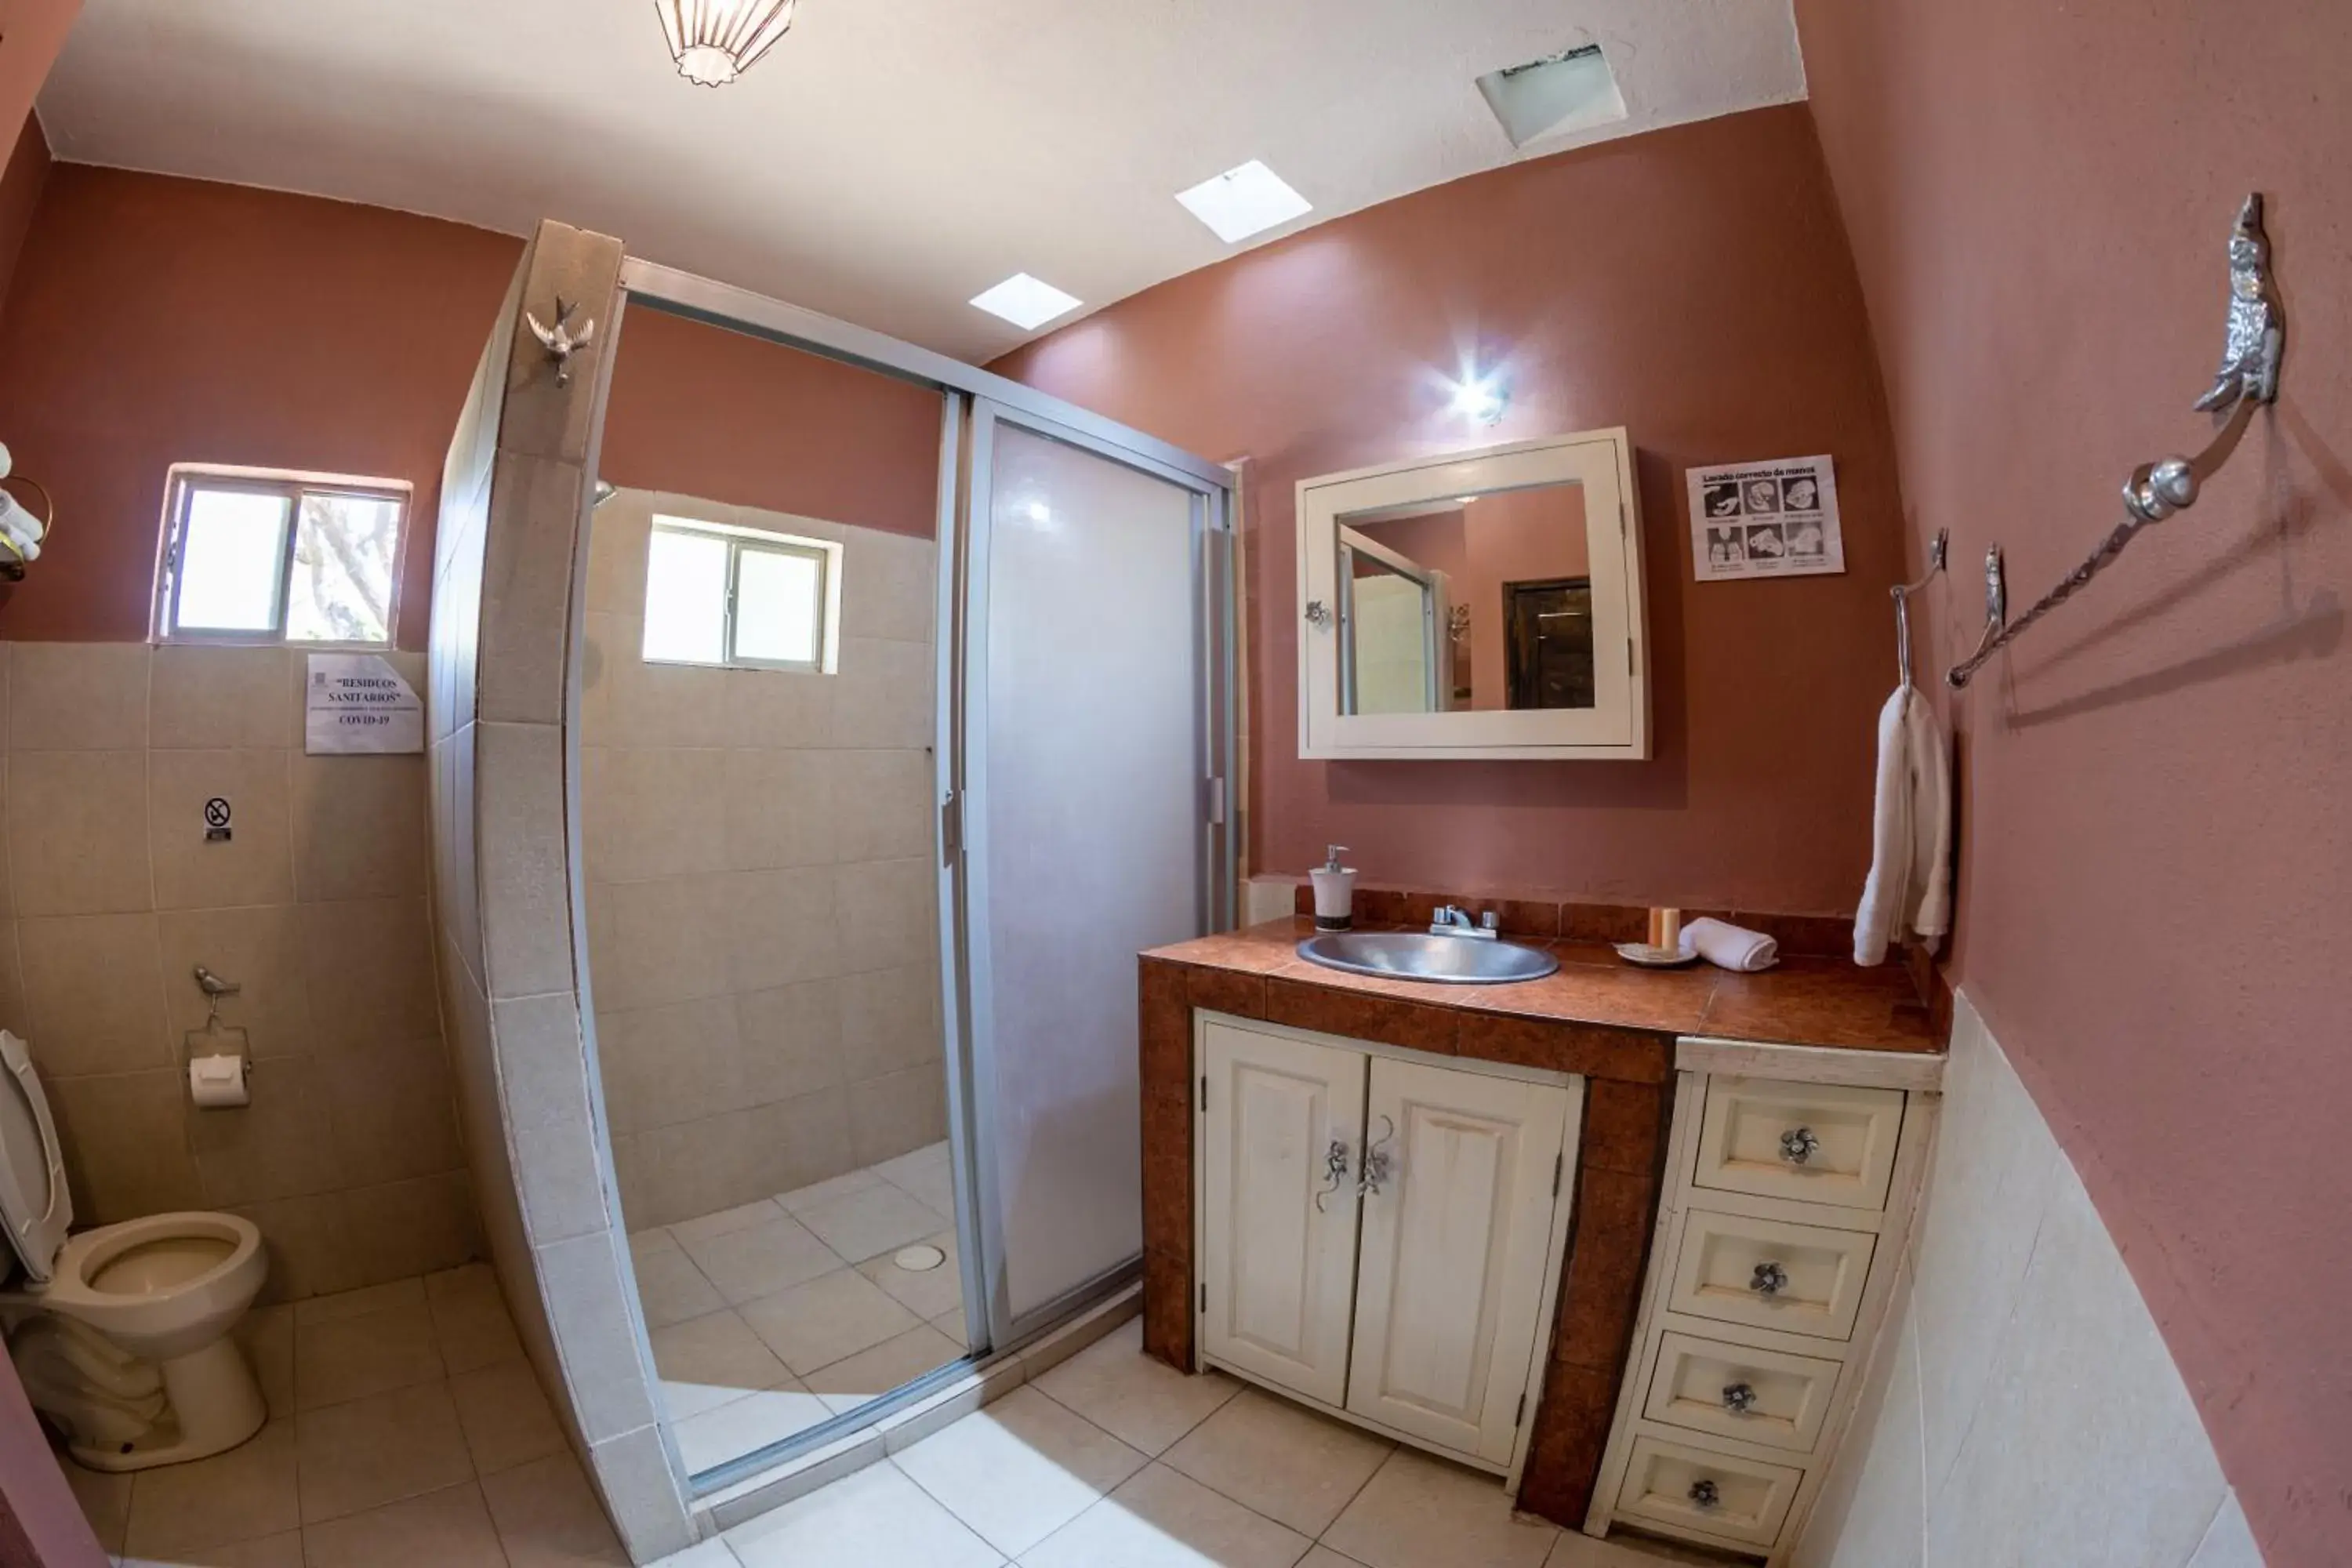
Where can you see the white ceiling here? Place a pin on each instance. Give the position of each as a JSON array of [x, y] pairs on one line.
[[889, 158]]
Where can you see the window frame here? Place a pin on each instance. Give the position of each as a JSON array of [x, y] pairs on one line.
[[182, 482], [741, 542]]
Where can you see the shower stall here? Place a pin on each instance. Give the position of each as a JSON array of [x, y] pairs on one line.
[[900, 722], [819, 726]]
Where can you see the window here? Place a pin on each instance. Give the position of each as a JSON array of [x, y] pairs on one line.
[[257, 556], [719, 595]]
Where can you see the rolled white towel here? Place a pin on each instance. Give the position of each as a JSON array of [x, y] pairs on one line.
[[1728, 946]]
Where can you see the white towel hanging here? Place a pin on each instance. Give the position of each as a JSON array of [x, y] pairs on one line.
[[1909, 889]]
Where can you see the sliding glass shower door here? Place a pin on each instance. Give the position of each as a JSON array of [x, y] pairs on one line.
[[1092, 754]]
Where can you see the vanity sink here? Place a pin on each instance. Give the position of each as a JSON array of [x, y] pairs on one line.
[[1412, 955]]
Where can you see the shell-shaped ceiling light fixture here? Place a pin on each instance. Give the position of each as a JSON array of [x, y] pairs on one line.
[[715, 41]]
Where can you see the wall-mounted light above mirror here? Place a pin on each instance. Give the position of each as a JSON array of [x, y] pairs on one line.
[[1485, 603]]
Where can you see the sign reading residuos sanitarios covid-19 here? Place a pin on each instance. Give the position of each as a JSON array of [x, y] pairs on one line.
[[356, 703], [1766, 520]]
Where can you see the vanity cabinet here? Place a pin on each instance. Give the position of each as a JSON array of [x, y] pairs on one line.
[[1377, 1234], [1787, 1205]]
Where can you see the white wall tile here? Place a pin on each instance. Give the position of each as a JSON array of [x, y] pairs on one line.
[[2228, 1540], [2047, 1416]]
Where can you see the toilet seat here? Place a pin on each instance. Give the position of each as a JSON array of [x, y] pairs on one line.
[[36, 1207], [74, 1288]]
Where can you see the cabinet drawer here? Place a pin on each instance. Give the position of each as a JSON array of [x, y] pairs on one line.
[[1738, 1391], [1819, 1144], [1770, 1274], [1712, 1494]]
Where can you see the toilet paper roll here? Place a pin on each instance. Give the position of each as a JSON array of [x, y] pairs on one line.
[[215, 1081]]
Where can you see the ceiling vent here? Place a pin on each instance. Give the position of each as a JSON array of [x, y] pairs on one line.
[[1560, 94]]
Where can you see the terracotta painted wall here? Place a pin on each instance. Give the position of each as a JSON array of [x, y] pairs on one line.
[[707, 412], [1692, 284], [21, 184], [154, 320], [2156, 845]]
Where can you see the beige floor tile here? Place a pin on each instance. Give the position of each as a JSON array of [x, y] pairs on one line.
[[671, 1288], [707, 1361], [1160, 1520], [248, 1493], [105, 1498], [1574, 1549], [1143, 1402], [267, 1336], [711, 1554], [914, 1164], [952, 1325], [1289, 1464], [1418, 1511], [360, 1303], [850, 1382], [1324, 1557], [929, 1291], [826, 1320], [505, 1415], [817, 1194], [283, 1549], [1020, 1469], [743, 1217], [449, 1529], [645, 1243], [549, 1518], [470, 1321], [752, 1261], [875, 1518], [349, 1358], [925, 1176], [746, 1425], [367, 1452], [876, 1220]]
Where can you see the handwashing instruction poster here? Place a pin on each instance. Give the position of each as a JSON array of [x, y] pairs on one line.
[[1778, 519], [358, 703]]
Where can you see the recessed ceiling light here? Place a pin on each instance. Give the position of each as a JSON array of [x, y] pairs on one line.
[[1025, 301], [1244, 201], [1572, 90]]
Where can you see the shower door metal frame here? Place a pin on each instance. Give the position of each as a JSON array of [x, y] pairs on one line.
[[973, 401], [965, 882]]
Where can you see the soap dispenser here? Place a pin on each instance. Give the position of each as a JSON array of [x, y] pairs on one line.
[[1334, 891]]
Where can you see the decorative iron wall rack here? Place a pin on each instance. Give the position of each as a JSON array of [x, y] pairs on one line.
[[2248, 378]]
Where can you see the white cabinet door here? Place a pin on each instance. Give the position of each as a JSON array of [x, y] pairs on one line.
[[1279, 1250], [1453, 1249]]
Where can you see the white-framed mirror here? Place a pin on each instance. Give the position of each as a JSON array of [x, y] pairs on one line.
[[1479, 604]]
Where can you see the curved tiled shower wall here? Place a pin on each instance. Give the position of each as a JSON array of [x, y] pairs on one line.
[[514, 497]]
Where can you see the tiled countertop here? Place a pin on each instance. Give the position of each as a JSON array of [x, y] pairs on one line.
[[1805, 1001]]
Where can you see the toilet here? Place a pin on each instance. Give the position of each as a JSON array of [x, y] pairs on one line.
[[122, 1333]]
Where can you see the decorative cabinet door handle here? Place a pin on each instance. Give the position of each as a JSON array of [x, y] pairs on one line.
[[1704, 1493], [1738, 1398], [1768, 1279], [1375, 1167], [1319, 613], [1334, 1168], [1798, 1145]]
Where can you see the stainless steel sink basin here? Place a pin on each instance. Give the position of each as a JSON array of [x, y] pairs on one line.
[[1414, 955]]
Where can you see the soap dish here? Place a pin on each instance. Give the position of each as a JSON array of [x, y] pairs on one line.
[[1649, 957]]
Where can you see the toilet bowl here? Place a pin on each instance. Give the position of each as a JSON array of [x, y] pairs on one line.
[[166, 1289]]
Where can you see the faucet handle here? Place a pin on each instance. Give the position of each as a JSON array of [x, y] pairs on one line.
[[1490, 921]]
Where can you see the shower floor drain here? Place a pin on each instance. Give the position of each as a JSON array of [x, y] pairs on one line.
[[920, 1259]]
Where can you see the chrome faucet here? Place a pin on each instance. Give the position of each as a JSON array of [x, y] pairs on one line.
[[1453, 920]]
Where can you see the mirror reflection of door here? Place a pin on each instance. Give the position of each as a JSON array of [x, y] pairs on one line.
[[1548, 652], [1430, 603], [1392, 614]]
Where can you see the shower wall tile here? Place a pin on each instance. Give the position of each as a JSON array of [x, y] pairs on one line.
[[762, 839], [207, 697], [77, 697]]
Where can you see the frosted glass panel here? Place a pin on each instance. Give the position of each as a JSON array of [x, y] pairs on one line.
[[1091, 803]]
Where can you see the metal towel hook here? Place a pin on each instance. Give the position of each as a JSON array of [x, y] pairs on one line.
[[1902, 593]]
